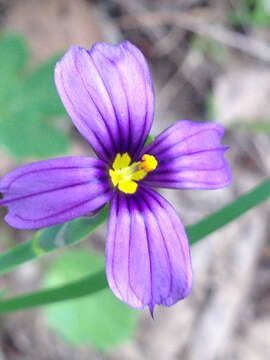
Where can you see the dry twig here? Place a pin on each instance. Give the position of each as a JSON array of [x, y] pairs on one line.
[[246, 44]]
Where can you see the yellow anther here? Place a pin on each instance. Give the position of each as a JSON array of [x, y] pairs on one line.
[[121, 161], [149, 163], [124, 173]]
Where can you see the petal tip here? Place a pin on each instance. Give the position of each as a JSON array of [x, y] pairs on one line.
[[151, 308]]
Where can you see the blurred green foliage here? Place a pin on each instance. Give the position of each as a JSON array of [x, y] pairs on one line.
[[100, 320], [208, 47], [28, 103], [211, 108], [252, 12], [3, 292], [256, 126]]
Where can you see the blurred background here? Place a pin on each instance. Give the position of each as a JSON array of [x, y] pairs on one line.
[[209, 61]]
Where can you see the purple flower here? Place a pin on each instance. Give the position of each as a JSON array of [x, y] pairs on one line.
[[108, 94]]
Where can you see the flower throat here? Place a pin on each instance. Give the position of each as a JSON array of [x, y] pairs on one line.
[[124, 174]]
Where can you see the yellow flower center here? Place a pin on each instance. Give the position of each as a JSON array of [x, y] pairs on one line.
[[124, 174]]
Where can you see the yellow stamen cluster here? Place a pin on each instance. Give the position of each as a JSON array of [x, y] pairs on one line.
[[124, 174]]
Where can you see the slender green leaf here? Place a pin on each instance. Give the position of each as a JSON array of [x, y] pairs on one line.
[[97, 282], [51, 238], [86, 286], [229, 213]]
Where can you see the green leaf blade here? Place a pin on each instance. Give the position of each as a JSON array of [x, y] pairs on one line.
[[27, 134], [230, 212], [99, 320], [39, 92], [28, 101], [13, 53]]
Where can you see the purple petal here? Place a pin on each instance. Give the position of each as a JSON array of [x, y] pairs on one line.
[[147, 253], [190, 156], [108, 93], [54, 191]]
